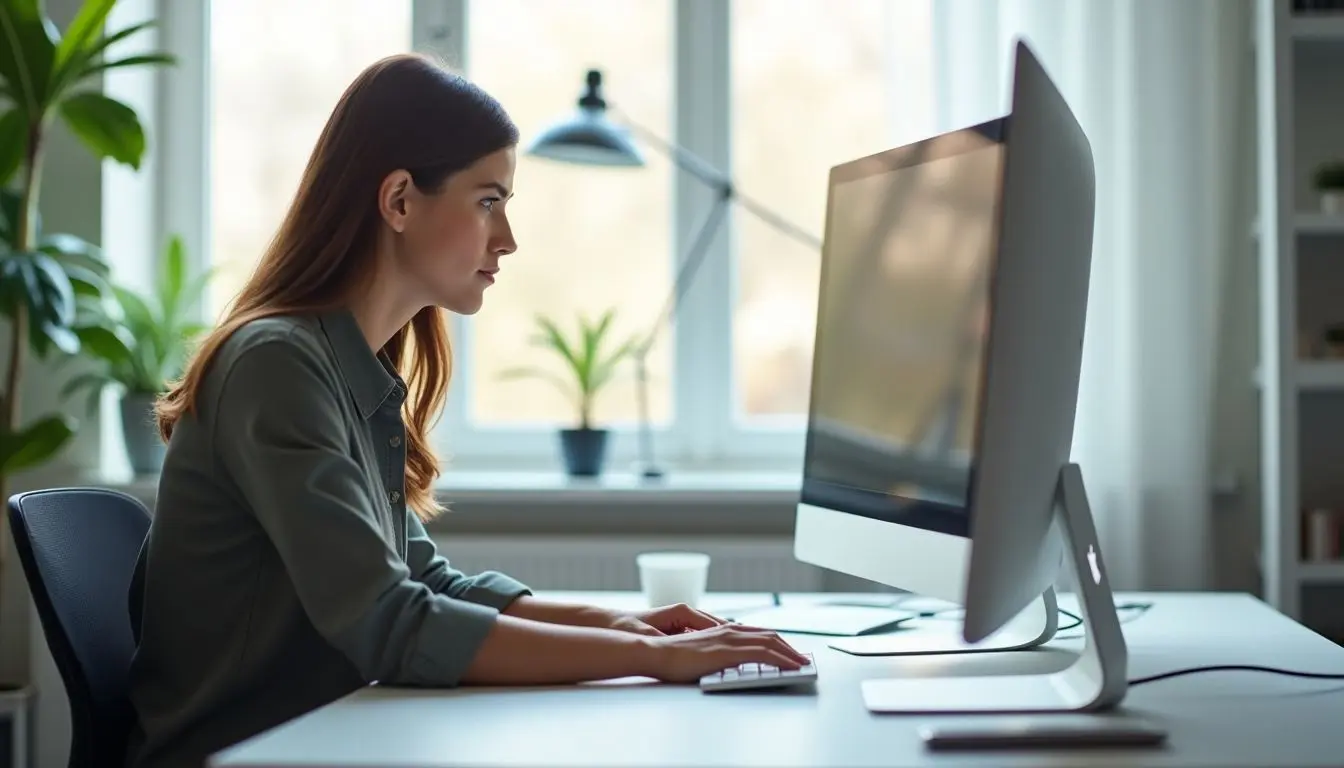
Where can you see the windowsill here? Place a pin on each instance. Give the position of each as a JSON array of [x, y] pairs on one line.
[[730, 502], [491, 485], [675, 487]]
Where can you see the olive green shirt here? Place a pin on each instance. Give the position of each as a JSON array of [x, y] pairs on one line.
[[283, 567]]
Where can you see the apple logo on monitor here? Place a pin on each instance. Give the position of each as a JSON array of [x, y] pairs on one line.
[[1092, 561]]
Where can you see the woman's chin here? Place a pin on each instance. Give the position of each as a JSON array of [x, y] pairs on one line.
[[463, 305]]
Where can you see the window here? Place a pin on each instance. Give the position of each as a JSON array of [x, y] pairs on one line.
[[814, 84], [589, 239], [271, 93], [774, 92]]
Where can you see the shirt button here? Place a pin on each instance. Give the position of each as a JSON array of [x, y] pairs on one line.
[[394, 441], [394, 496]]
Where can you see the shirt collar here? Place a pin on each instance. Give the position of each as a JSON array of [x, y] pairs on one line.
[[369, 377]]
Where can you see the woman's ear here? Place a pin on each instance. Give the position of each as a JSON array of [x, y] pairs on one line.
[[393, 199]]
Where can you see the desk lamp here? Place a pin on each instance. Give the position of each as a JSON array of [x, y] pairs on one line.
[[590, 137]]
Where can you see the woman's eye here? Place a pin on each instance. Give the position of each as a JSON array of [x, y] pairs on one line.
[[489, 203]]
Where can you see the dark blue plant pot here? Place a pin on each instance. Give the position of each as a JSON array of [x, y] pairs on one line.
[[584, 450], [144, 447]]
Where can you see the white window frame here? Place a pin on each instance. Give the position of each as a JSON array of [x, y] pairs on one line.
[[706, 432]]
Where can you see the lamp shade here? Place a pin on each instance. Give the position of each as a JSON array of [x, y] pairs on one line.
[[588, 137]]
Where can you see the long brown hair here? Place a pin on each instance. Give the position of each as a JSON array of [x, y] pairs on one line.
[[403, 112]]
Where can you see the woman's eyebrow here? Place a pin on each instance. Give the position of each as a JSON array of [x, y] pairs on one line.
[[500, 188]]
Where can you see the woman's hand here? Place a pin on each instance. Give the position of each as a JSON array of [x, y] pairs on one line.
[[667, 620], [685, 657]]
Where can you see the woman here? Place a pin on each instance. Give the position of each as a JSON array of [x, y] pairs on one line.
[[288, 564]]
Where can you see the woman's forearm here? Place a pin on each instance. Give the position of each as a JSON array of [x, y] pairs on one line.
[[521, 651], [552, 612]]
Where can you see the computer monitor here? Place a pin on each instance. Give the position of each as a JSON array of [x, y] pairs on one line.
[[949, 337]]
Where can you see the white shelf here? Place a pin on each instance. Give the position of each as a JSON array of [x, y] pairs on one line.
[[1321, 571], [1320, 376], [1319, 224], [1312, 224], [1314, 376], [1323, 27], [1298, 122]]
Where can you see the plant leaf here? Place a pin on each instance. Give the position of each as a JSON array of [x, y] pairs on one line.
[[110, 344], [80, 37], [552, 338], [54, 297], [47, 334], [106, 126], [13, 281], [27, 53], [35, 443], [608, 367], [100, 46], [172, 276], [69, 249], [13, 143], [84, 283], [130, 61], [139, 318]]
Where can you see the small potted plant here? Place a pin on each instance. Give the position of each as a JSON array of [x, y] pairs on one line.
[[1329, 182], [590, 360], [142, 343]]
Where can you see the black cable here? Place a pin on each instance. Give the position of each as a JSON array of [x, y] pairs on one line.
[[1076, 620], [1140, 609], [1236, 668]]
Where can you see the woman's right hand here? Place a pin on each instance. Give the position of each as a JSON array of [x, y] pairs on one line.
[[688, 656]]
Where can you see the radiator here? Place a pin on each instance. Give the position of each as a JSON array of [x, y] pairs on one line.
[[608, 562]]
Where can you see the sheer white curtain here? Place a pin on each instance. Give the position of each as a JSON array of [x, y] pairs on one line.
[[1158, 87]]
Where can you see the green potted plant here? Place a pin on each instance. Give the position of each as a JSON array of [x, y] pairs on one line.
[[590, 360], [45, 76], [1329, 182], [143, 343]]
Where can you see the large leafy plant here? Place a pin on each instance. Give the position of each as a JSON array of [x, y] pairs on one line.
[[589, 360], [46, 76], [143, 341]]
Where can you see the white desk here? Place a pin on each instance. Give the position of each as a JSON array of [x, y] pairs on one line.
[[1220, 718]]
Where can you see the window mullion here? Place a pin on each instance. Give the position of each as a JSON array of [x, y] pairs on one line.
[[703, 390], [439, 28], [184, 107]]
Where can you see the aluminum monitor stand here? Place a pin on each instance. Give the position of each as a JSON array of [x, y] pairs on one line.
[[1095, 681]]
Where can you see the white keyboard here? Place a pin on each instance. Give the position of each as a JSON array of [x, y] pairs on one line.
[[752, 676]]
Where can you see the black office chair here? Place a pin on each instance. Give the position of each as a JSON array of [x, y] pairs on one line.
[[78, 547]]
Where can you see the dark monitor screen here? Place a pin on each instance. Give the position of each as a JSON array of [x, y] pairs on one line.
[[901, 331]]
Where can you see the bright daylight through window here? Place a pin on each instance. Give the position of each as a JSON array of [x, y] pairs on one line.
[[862, 86], [269, 100], [812, 84], [589, 239]]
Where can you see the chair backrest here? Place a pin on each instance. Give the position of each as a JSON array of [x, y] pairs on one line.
[[78, 548]]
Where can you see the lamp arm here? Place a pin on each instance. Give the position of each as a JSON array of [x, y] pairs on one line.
[[702, 170], [686, 272]]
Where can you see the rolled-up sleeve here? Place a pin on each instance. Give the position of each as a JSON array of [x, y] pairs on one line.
[[490, 588], [280, 435]]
